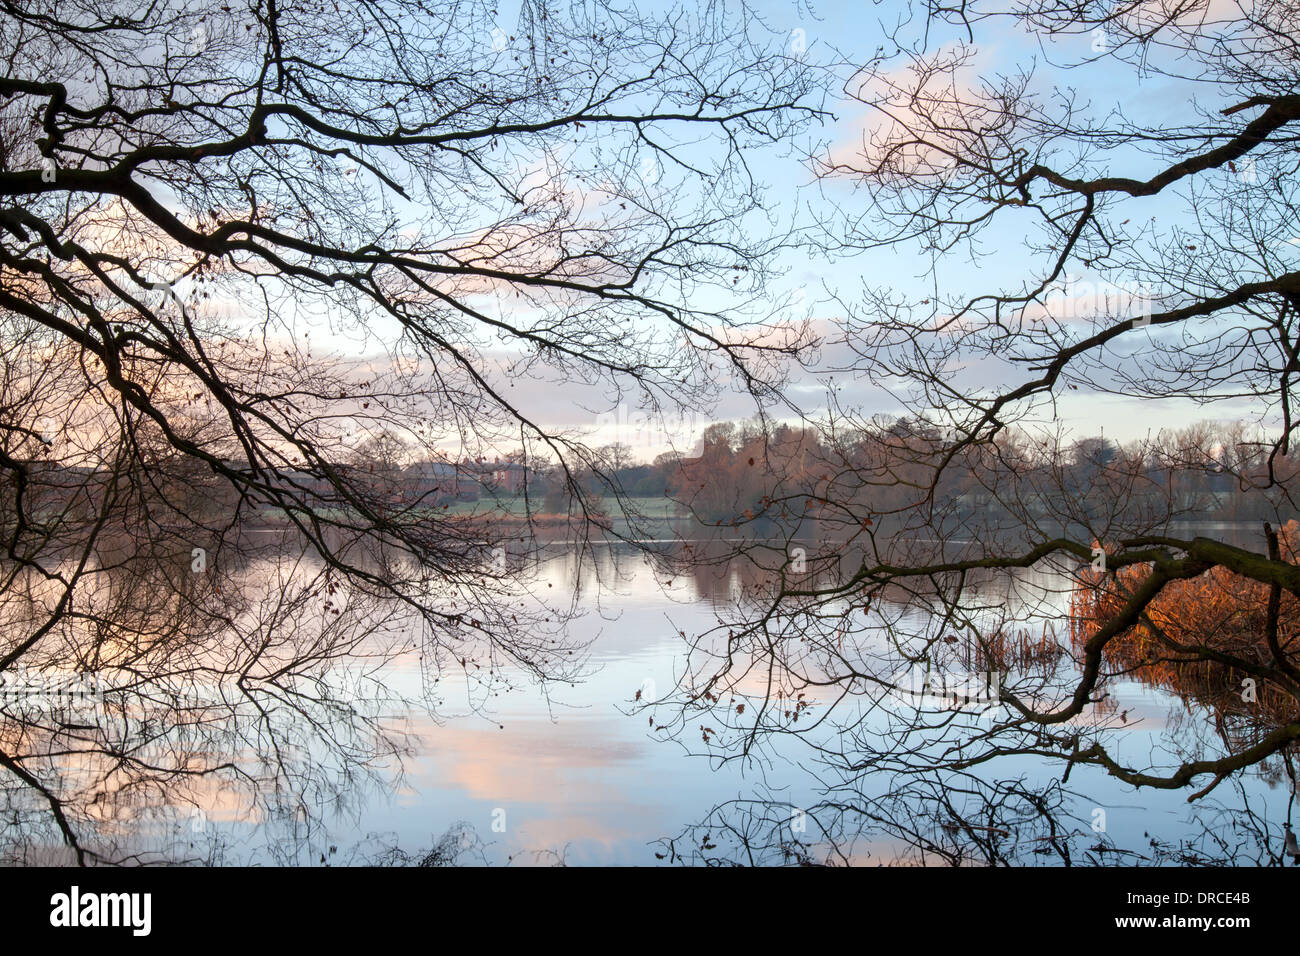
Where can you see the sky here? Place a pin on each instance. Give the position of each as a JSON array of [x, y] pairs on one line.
[[855, 29], [821, 286]]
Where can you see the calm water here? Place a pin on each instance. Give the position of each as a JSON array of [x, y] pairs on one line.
[[571, 774]]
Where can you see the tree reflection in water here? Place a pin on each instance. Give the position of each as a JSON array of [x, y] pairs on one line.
[[818, 671], [169, 714]]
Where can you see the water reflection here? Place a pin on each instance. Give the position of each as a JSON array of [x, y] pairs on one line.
[[941, 776], [284, 721]]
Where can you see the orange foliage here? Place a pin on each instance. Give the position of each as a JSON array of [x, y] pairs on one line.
[[1219, 610]]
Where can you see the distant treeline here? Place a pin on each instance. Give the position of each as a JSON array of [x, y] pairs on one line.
[[749, 472]]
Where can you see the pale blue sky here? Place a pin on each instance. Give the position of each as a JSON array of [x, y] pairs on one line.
[[853, 31]]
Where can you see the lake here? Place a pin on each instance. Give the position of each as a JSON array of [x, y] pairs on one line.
[[570, 774]]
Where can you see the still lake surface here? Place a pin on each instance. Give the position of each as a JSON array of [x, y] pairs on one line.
[[573, 776]]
